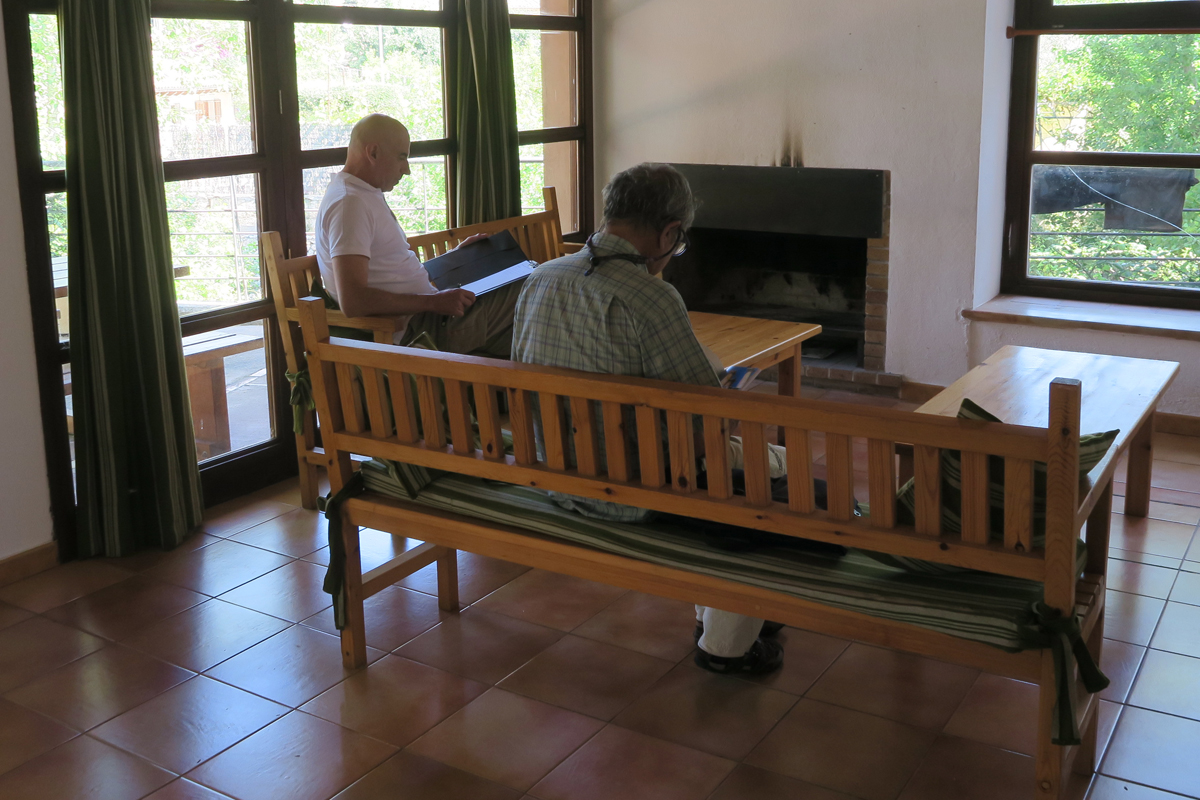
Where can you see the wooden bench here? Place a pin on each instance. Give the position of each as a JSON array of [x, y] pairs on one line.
[[371, 417], [540, 237]]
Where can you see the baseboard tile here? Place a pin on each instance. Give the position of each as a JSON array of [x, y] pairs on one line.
[[30, 562], [1180, 424]]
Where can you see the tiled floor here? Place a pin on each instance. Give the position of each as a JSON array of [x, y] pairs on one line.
[[210, 672]]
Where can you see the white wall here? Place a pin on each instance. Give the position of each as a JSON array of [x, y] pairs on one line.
[[918, 87], [26, 521]]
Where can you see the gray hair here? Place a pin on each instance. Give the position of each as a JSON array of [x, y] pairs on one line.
[[651, 195]]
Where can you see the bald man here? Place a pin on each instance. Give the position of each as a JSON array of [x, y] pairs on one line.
[[368, 268]]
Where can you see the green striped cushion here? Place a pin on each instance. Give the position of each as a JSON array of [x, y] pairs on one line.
[[1092, 448], [976, 606]]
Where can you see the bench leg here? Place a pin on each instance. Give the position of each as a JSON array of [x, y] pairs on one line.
[[1049, 765], [354, 635], [1141, 461], [308, 471], [447, 577]]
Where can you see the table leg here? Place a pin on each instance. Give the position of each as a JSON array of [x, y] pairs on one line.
[[1141, 461], [790, 370], [210, 408]]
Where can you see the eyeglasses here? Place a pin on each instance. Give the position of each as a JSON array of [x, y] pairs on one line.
[[681, 244]]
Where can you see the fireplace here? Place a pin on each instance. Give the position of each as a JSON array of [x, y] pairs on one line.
[[796, 244]]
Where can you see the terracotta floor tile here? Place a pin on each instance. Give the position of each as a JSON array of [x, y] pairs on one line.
[[126, 607], [394, 617], [216, 569], [36, 646], [206, 635], [906, 688], [11, 615], [25, 734], [859, 754], [1169, 512], [183, 789], [1147, 535], [189, 724], [1105, 788], [1187, 589], [1131, 617], [62, 584], [506, 738], [153, 556], [1193, 553], [1110, 713], [292, 592], [375, 548], [1175, 475], [1144, 558], [806, 656], [1169, 683], [478, 576], [1179, 630], [957, 769], [98, 687], [712, 713], [288, 491], [547, 598], [999, 712], [589, 677], [1173, 447], [652, 625], [295, 533], [480, 646], [238, 515], [394, 699], [751, 783], [83, 769], [625, 764], [408, 776], [1156, 750], [1127, 576], [291, 668], [1120, 662], [299, 757]]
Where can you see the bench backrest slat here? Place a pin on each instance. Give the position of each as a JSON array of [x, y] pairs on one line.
[[881, 471], [1018, 504], [716, 454], [799, 475]]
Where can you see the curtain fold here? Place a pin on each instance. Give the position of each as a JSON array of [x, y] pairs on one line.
[[137, 483], [488, 182]]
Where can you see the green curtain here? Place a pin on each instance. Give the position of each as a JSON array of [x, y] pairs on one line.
[[488, 183], [136, 478]]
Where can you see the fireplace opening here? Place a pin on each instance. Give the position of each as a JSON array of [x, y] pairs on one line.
[[795, 244]]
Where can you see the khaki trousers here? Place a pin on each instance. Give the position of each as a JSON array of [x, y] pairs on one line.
[[485, 330]]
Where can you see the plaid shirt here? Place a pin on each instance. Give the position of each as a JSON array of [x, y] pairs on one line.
[[620, 320]]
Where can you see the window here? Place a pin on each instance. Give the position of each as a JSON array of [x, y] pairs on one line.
[[255, 103], [1104, 148]]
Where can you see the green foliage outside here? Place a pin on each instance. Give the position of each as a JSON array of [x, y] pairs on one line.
[[1130, 93]]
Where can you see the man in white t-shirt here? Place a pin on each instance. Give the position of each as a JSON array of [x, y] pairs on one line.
[[366, 264]]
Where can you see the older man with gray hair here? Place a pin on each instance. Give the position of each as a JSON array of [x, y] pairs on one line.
[[605, 310]]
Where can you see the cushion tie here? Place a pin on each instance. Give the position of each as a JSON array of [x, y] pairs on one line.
[[335, 575], [1048, 627], [301, 398]]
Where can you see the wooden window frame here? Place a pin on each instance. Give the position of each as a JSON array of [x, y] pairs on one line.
[[278, 162], [1036, 17]]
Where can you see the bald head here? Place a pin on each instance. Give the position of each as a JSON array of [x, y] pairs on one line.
[[378, 151]]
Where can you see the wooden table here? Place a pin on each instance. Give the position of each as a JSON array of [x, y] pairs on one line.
[[204, 354], [761, 343], [1118, 392]]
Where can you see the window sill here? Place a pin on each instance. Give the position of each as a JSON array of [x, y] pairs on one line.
[[1170, 323]]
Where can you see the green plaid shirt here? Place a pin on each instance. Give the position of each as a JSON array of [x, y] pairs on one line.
[[620, 320]]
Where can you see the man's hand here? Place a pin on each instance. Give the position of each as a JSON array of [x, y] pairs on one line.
[[451, 302], [472, 239]]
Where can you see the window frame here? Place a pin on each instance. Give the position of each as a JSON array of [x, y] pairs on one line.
[[1033, 18], [279, 163]]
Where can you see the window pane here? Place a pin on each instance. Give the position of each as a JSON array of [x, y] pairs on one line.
[[558, 8], [348, 71], [544, 63], [214, 241], [202, 85], [556, 165], [48, 90], [1134, 93], [227, 384], [418, 201], [56, 231], [1115, 224], [417, 5]]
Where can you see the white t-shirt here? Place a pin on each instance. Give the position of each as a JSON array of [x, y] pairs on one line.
[[354, 220]]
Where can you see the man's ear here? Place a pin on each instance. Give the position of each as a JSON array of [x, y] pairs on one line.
[[372, 151]]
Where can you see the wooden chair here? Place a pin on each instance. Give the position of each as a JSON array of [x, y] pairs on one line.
[[291, 279]]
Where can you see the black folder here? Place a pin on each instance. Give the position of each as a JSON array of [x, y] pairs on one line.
[[481, 266]]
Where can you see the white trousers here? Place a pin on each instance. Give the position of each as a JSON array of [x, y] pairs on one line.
[[726, 634]]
